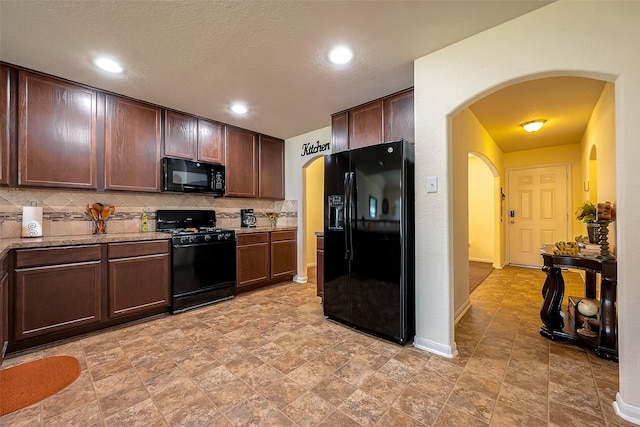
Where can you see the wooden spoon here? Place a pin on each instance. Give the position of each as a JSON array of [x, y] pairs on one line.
[[106, 212]]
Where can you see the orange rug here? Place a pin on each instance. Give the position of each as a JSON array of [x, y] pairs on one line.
[[26, 384]]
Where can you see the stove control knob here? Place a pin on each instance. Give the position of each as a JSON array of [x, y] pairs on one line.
[[207, 238], [183, 239]]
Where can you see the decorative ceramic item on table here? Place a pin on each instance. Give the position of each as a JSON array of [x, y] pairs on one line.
[[273, 219], [99, 215], [587, 214]]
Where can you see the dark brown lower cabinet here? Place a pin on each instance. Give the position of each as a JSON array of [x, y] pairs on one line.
[[138, 277], [51, 297], [4, 306], [265, 258], [283, 253], [59, 292], [253, 259]]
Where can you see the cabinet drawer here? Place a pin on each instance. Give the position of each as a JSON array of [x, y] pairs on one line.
[[248, 239], [283, 235], [56, 255], [320, 243], [131, 249]]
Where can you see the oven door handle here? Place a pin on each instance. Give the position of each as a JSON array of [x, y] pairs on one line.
[[212, 242]]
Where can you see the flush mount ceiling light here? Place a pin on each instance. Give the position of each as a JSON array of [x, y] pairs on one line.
[[239, 109], [340, 55], [108, 65], [533, 126]]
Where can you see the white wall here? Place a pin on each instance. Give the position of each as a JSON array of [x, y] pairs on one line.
[[293, 175], [590, 39]]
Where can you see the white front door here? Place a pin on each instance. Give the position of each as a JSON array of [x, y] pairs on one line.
[[537, 212]]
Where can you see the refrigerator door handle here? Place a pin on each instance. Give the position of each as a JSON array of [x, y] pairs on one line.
[[351, 191], [347, 190]]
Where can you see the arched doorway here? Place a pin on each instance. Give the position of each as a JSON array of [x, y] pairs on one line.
[[312, 211]]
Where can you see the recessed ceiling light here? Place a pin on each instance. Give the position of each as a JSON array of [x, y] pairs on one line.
[[239, 108], [340, 55], [109, 65], [534, 125]]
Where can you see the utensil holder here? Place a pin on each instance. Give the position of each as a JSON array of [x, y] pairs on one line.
[[99, 227]]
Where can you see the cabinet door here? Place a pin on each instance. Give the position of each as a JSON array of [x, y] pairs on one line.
[[365, 125], [54, 298], [283, 258], [4, 314], [271, 168], [5, 121], [56, 133], [253, 263], [132, 145], [398, 117], [340, 132], [138, 284], [179, 135], [241, 153], [210, 141]]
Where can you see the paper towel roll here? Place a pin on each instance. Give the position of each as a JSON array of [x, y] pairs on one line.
[[31, 221]]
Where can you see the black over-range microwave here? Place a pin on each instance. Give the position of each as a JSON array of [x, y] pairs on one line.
[[187, 176]]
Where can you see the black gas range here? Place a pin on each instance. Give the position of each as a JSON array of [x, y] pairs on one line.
[[204, 258]]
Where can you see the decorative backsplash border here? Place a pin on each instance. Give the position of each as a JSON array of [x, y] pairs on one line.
[[63, 211]]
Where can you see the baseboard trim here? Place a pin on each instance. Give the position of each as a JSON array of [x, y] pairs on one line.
[[433, 347], [461, 311], [488, 261], [626, 411], [300, 279]]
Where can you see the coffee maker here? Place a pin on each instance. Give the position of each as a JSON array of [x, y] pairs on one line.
[[247, 218]]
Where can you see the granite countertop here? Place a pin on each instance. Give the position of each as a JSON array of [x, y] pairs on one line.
[[88, 239], [319, 233], [248, 230], [48, 241]]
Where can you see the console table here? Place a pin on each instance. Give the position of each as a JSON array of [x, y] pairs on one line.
[[605, 343]]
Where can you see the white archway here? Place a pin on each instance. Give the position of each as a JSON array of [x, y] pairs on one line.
[[450, 79]]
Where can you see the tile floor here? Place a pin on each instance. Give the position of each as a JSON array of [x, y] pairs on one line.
[[270, 358]]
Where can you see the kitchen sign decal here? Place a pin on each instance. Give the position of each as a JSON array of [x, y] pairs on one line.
[[311, 148]]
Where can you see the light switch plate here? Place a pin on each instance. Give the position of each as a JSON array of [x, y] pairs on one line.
[[432, 184]]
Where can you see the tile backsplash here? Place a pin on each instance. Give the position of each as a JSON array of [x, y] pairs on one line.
[[64, 211]]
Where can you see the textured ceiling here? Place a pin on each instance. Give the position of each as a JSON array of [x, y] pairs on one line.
[[566, 103], [199, 56]]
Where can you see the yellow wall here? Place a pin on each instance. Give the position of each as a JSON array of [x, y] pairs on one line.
[[314, 208], [481, 211], [601, 134]]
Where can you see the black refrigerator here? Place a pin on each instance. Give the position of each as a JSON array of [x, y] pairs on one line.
[[369, 239]]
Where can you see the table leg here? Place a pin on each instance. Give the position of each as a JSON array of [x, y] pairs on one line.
[[550, 312], [607, 345], [590, 283]]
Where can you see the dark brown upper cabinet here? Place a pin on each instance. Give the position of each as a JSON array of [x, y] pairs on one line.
[[340, 132], [56, 133], [271, 163], [210, 141], [241, 162], [386, 119], [132, 145], [5, 122], [365, 125], [180, 135], [192, 138], [398, 117]]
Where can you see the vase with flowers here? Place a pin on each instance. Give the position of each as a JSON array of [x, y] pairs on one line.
[[273, 219], [587, 214]]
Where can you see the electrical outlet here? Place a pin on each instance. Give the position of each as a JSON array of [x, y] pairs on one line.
[[432, 184]]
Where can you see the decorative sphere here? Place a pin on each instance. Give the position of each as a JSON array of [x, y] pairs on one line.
[[587, 308]]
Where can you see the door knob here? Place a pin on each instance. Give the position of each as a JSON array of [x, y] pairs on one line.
[[512, 222]]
